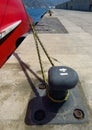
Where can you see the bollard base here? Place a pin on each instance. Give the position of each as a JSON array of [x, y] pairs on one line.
[[43, 111]]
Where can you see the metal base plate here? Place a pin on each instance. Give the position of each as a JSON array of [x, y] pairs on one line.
[[50, 25], [43, 111]]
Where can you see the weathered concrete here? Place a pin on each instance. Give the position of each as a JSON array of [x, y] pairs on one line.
[[72, 49]]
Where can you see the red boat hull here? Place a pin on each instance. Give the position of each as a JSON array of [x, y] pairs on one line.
[[12, 12]]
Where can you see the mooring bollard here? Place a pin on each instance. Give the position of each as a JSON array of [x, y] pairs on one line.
[[60, 80]]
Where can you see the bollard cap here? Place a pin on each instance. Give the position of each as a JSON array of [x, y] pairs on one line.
[[62, 78]]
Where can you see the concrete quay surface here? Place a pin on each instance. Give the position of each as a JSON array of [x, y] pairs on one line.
[[73, 49]]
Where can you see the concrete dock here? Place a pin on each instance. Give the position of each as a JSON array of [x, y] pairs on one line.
[[72, 48]]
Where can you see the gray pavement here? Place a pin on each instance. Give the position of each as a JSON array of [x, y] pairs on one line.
[[73, 49], [81, 19]]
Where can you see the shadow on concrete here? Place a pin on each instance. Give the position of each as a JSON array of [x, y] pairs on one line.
[[41, 111], [25, 67], [37, 110]]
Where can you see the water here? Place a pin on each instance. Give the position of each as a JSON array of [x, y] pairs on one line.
[[43, 3]]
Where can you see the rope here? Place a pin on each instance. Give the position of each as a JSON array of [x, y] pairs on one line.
[[45, 51], [58, 101], [39, 57], [36, 38]]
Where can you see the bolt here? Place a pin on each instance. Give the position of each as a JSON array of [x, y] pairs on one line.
[[78, 114], [42, 86]]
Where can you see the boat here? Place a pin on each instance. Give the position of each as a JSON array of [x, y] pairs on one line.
[[15, 20]]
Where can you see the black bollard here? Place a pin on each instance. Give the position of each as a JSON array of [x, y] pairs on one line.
[[60, 79]]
